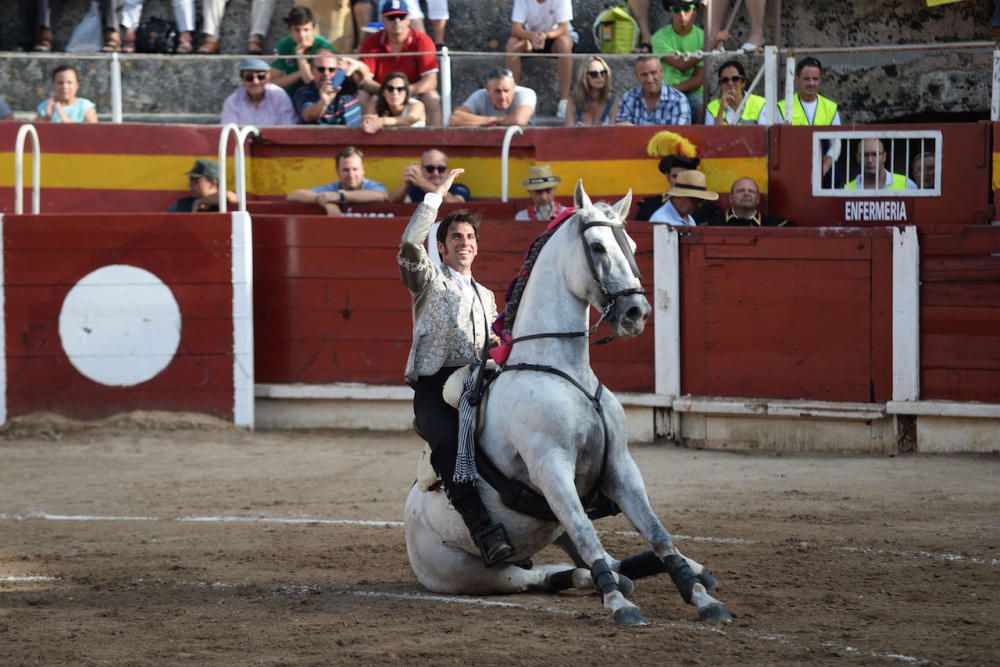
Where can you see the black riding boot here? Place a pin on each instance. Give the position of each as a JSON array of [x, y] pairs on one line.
[[490, 537]]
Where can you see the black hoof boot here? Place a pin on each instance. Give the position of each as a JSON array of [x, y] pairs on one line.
[[493, 543], [708, 581], [715, 612]]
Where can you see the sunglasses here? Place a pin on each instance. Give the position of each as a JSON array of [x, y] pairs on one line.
[[730, 79], [395, 89], [682, 9], [329, 70], [395, 17], [250, 77], [431, 168], [597, 73]]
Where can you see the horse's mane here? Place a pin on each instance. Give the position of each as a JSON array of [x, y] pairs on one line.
[[504, 323]]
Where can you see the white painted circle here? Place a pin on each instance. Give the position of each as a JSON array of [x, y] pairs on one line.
[[120, 325]]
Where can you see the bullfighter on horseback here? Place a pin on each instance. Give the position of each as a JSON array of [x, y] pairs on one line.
[[452, 314]]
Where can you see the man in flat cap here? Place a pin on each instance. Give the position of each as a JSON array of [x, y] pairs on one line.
[[258, 101], [203, 181]]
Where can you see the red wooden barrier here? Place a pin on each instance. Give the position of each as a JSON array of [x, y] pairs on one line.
[[329, 306], [108, 313], [960, 313], [787, 313]]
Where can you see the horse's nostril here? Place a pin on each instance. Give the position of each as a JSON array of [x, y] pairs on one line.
[[635, 313]]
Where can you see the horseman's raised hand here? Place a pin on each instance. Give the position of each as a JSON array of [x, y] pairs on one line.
[[448, 181]]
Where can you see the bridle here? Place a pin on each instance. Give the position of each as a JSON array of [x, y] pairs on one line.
[[618, 230]]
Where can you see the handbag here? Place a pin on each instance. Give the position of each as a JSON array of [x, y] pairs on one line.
[[155, 35]]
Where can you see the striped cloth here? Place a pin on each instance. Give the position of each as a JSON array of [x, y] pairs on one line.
[[465, 462]]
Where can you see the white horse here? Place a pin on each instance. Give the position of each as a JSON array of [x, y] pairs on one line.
[[552, 426]]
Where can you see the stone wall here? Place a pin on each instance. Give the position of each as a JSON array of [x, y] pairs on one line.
[[870, 87]]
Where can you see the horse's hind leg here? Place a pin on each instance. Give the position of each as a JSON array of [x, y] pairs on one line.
[[648, 564]]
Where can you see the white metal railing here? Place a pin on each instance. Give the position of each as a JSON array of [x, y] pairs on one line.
[[240, 135], [446, 58], [36, 170], [508, 136]]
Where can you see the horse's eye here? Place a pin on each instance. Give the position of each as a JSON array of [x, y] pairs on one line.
[[597, 248]]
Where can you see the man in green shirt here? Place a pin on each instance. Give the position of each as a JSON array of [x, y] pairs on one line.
[[681, 34], [292, 72]]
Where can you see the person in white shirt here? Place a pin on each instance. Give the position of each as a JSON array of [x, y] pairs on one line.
[[689, 186], [544, 26]]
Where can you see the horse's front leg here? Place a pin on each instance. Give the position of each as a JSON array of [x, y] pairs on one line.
[[555, 479], [623, 484]]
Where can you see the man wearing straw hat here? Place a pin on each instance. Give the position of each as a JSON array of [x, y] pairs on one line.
[[688, 187], [541, 185]]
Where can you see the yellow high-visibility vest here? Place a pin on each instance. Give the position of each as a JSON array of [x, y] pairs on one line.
[[826, 109], [751, 110]]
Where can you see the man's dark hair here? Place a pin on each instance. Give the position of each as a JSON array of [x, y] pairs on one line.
[[643, 58], [808, 62], [736, 64], [64, 68], [299, 15], [457, 217], [348, 152]]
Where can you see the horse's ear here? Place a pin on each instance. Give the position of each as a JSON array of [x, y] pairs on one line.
[[623, 205], [580, 198]]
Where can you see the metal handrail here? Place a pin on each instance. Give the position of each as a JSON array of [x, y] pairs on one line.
[[239, 163], [36, 171], [508, 136]]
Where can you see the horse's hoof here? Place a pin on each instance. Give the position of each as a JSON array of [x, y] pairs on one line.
[[708, 581], [715, 612], [626, 585], [628, 616]]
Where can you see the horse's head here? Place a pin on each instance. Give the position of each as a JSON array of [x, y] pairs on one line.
[[605, 272]]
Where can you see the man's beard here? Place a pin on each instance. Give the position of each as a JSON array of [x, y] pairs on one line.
[[543, 211]]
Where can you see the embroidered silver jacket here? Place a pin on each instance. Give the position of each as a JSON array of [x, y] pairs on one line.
[[449, 329]]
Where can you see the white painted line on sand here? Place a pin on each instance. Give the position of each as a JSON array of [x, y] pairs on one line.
[[28, 579], [376, 523]]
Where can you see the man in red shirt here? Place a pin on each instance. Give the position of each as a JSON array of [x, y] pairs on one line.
[[397, 37]]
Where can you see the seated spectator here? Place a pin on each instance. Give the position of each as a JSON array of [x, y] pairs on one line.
[[6, 113], [64, 106], [593, 101], [109, 21], [670, 166], [732, 84], [351, 188], [397, 37], [211, 19], [290, 69], [874, 175], [258, 102], [261, 12], [393, 106], [744, 198], [923, 169], [427, 176], [653, 102], [541, 186], [811, 108], [501, 102], [682, 199], [203, 180], [681, 35], [331, 97], [544, 26]]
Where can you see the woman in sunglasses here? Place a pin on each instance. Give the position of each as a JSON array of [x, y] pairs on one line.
[[732, 85], [592, 102], [393, 106]]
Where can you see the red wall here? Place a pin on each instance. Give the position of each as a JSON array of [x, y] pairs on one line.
[[960, 313], [787, 313], [329, 305], [46, 255]]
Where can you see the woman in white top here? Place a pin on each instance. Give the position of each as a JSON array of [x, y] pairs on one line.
[[593, 102], [393, 106]]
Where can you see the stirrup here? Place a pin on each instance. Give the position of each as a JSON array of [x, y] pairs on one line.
[[494, 543]]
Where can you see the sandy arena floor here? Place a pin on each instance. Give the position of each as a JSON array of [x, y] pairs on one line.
[[195, 544]]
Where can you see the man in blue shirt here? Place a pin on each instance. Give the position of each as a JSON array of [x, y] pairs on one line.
[[427, 176], [332, 96], [352, 188], [653, 102]]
